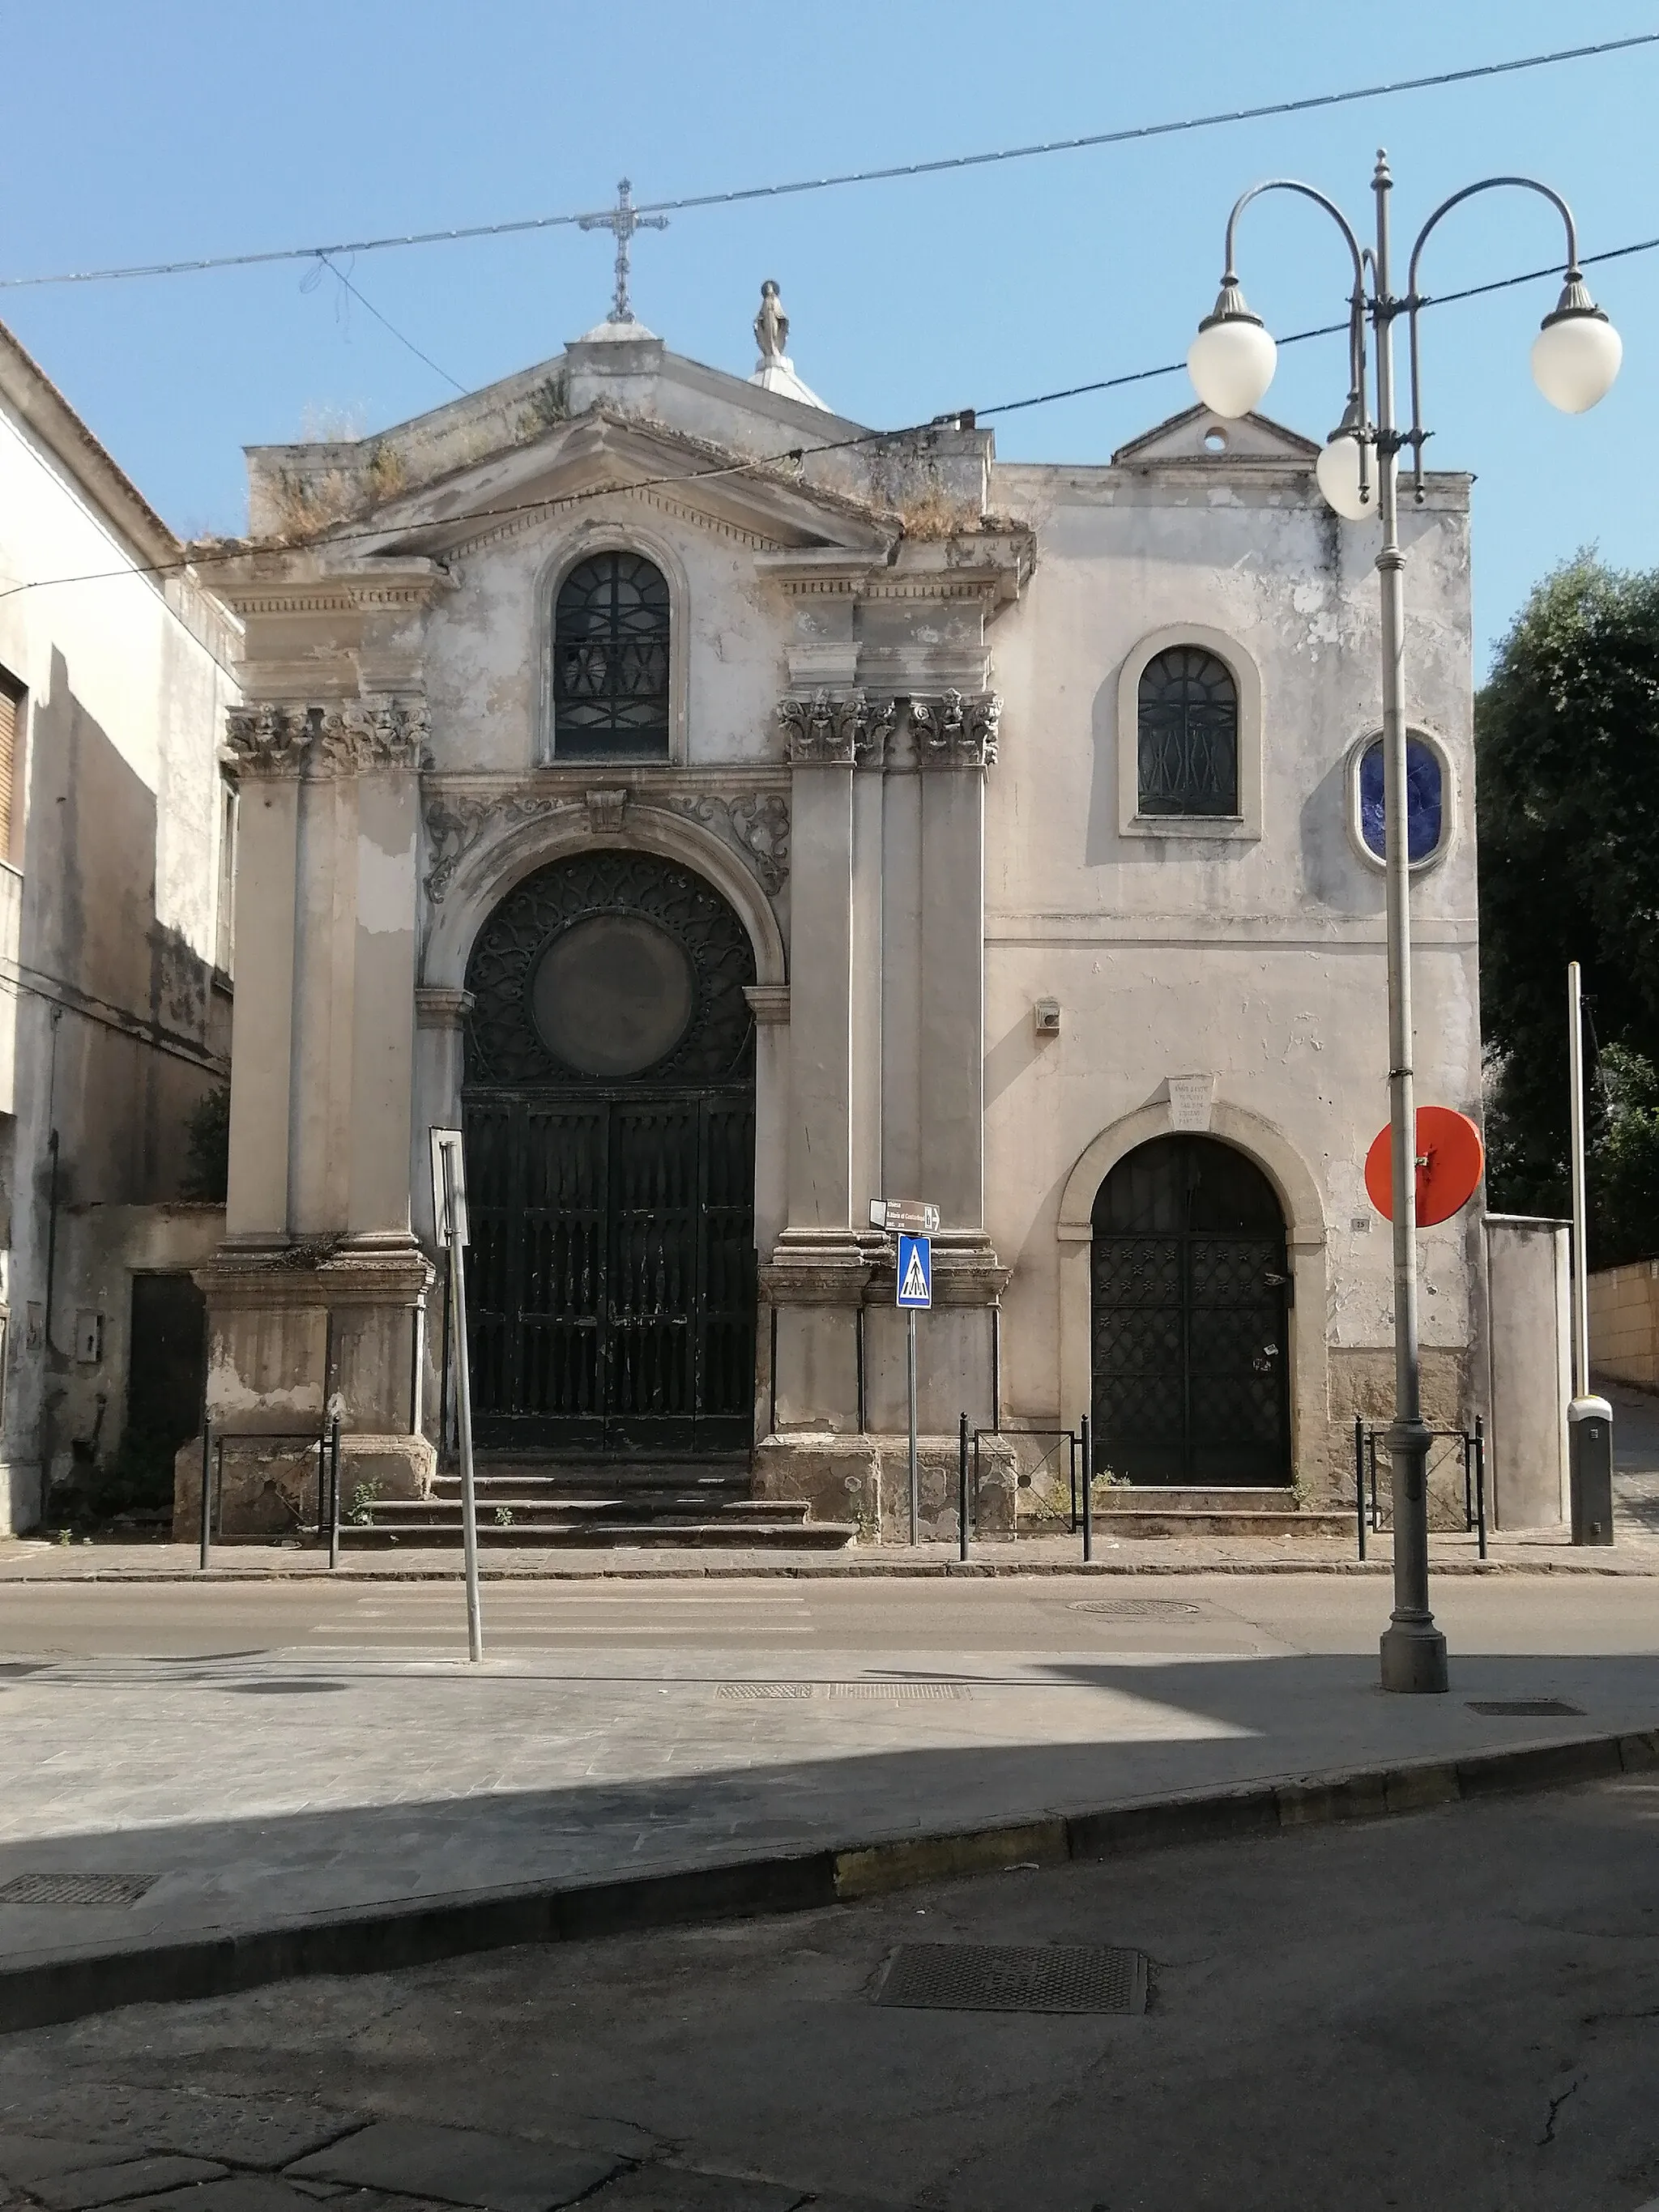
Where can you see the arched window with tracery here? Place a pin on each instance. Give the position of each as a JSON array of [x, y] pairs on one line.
[[1188, 730], [610, 660]]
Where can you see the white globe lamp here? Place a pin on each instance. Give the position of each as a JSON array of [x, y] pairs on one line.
[[1576, 355], [1232, 359], [1337, 471]]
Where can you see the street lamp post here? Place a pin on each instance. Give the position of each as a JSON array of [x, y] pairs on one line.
[[1575, 359]]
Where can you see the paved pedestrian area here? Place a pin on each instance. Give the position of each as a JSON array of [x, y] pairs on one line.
[[1453, 2011], [319, 1751]]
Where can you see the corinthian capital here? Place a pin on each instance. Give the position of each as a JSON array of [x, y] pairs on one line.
[[343, 738], [827, 732], [956, 730]]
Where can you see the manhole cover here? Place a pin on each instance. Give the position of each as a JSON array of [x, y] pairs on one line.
[[280, 1689], [1526, 1708], [116, 1889], [1137, 1609], [764, 1690], [1015, 1977]]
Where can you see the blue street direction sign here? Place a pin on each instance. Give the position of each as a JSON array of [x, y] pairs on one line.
[[915, 1271]]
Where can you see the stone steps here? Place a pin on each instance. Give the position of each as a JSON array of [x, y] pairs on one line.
[[555, 1503]]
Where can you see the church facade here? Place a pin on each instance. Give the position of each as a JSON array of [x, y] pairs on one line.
[[728, 815]]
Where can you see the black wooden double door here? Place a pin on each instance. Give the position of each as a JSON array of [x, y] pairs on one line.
[[1190, 1324], [612, 1269]]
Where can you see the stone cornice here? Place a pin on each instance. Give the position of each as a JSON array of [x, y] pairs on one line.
[[349, 737], [397, 583]]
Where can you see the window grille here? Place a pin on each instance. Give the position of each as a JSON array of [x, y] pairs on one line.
[[611, 662], [1188, 735]]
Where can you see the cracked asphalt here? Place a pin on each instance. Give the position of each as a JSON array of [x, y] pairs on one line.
[[1458, 2009]]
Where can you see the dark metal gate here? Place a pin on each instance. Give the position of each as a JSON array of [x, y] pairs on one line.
[[613, 1282], [1190, 1291]]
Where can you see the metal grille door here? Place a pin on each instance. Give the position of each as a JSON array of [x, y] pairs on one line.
[[613, 1271], [1189, 1322]]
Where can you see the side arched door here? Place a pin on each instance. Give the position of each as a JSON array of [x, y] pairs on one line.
[[1190, 1285]]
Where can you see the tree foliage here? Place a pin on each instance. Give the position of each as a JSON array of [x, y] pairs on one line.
[[1567, 745]]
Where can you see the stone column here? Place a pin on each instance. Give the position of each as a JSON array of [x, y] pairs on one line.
[[819, 1266], [316, 1299], [936, 955]]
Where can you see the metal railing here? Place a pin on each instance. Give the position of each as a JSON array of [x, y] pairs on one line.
[[1077, 1443], [324, 1440], [1472, 1444]]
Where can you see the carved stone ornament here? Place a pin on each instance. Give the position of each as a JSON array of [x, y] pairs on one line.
[[825, 732], [957, 730], [346, 737], [756, 826], [456, 822], [605, 810]]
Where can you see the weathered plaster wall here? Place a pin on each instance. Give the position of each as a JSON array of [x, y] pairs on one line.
[[111, 1027], [1257, 961]]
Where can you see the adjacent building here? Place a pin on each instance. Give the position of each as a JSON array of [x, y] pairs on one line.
[[116, 839]]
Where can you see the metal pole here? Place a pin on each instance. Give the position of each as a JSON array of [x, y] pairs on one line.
[[1359, 1477], [1480, 1481], [1413, 1650], [207, 1490], [334, 1493], [916, 1501], [464, 1411], [1580, 1247], [962, 1485], [1088, 1488]]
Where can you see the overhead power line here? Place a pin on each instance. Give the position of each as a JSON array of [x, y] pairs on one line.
[[791, 455], [1129, 135]]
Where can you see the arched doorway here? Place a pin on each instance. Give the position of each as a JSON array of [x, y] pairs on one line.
[[609, 1117], [1189, 1285]]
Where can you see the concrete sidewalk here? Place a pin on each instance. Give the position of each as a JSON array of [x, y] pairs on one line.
[[1531, 1551], [203, 1822]]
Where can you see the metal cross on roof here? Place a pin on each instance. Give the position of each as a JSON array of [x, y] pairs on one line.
[[623, 220]]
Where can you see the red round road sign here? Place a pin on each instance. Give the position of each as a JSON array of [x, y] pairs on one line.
[[1450, 1162]]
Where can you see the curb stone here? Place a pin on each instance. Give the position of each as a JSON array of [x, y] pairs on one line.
[[850, 1571], [380, 1939]]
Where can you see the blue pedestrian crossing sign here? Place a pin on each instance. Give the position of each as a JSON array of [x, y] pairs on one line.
[[915, 1271]]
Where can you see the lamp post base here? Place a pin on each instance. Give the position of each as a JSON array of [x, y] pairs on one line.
[[1414, 1658]]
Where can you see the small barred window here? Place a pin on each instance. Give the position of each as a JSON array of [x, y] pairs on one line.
[[611, 662], [1187, 723]]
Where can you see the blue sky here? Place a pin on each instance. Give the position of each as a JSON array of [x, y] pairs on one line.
[[208, 126]]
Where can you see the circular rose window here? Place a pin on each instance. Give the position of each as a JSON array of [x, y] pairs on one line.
[[611, 995]]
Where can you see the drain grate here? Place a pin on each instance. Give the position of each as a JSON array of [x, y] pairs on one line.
[[1137, 1609], [888, 1693], [1015, 1977], [903, 1692], [116, 1889], [1526, 1708]]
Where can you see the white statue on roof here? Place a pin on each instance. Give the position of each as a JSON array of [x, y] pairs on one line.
[[775, 371]]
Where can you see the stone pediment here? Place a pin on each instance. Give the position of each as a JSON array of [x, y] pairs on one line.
[[588, 463], [1198, 436]]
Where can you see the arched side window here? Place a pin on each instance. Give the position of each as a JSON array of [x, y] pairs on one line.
[[610, 660], [1187, 735], [1189, 713]]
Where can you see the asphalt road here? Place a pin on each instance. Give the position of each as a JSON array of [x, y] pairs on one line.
[[1267, 1614], [1457, 2011]]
